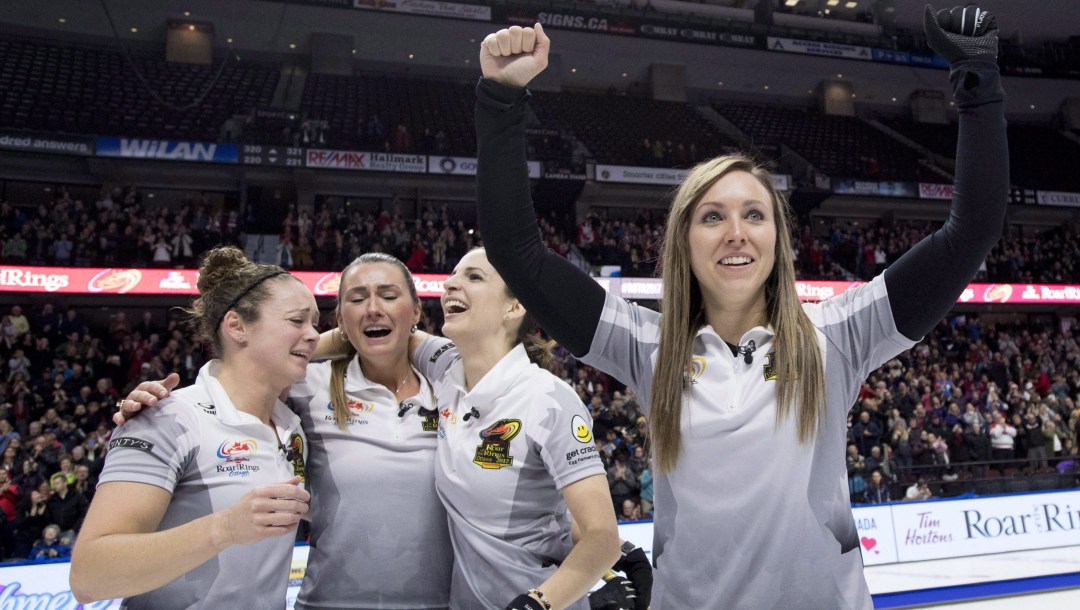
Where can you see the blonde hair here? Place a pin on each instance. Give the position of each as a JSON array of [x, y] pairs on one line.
[[337, 368], [800, 385]]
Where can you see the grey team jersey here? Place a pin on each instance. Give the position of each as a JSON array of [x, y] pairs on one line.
[[500, 473], [750, 518], [379, 537], [207, 454]]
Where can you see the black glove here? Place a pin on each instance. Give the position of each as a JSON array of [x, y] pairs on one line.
[[617, 594], [635, 564], [962, 33], [524, 602]]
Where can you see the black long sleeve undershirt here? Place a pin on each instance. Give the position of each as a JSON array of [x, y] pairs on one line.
[[564, 299], [926, 281], [923, 284]]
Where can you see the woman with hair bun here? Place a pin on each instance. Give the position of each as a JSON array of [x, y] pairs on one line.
[[205, 491]]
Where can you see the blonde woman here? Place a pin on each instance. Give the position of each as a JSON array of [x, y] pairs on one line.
[[734, 368]]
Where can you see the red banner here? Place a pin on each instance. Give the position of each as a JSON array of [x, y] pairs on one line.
[[72, 280]]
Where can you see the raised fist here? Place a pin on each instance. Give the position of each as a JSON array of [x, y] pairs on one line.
[[962, 32], [515, 55]]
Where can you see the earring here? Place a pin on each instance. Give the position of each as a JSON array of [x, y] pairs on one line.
[[341, 332], [413, 329], [242, 340]]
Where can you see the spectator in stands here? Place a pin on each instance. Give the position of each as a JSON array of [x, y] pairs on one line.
[[874, 460], [403, 140], [920, 490], [1002, 435], [622, 481], [22, 325], [31, 518], [877, 492], [856, 471], [865, 433], [9, 505], [629, 511], [85, 483], [50, 546], [374, 132], [1035, 440], [65, 507]]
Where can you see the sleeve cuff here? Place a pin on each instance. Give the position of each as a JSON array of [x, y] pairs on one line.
[[976, 82], [498, 96]]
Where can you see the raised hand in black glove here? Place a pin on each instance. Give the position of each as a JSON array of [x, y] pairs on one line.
[[524, 602], [635, 564], [967, 32], [618, 593]]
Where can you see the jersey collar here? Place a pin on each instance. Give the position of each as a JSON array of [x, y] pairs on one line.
[[226, 411], [760, 335], [356, 382], [497, 381]]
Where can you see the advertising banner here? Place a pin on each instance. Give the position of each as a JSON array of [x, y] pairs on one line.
[[935, 191], [876, 540], [366, 161], [430, 8], [959, 528], [466, 166], [80, 280], [814, 47], [1071, 200], [661, 176], [47, 143], [625, 25], [167, 150], [883, 188]]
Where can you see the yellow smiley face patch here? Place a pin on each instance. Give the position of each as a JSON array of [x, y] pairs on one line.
[[581, 429]]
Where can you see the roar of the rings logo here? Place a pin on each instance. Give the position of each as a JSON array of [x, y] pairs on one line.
[[493, 452], [114, 280]]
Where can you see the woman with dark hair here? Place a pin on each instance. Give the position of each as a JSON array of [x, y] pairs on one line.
[[516, 459], [734, 366], [207, 489]]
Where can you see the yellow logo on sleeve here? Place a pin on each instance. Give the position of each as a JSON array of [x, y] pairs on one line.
[[581, 429]]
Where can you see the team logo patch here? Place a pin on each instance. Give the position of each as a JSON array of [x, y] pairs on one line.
[[130, 442], [429, 419], [357, 409], [493, 452], [448, 415], [237, 451], [696, 368], [295, 455], [237, 454], [770, 365], [581, 429]]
